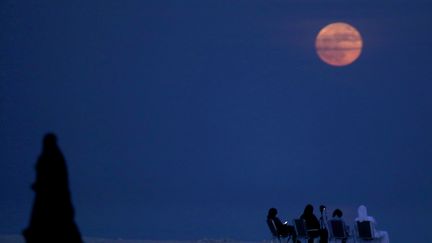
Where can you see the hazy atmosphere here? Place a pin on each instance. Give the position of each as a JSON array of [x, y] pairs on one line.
[[188, 120]]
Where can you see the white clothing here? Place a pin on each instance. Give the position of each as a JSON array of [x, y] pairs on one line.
[[382, 236]]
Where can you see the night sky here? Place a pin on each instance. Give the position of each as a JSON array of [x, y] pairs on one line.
[[189, 119]]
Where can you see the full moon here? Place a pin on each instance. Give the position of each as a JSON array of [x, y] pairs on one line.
[[338, 44]]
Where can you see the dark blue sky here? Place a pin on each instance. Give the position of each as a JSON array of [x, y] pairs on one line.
[[189, 119]]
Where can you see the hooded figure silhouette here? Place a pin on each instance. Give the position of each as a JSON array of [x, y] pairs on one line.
[[362, 215], [52, 217], [381, 235]]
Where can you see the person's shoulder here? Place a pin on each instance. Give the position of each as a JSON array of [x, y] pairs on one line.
[[277, 219], [372, 219]]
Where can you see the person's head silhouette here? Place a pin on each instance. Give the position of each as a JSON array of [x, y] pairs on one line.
[[308, 210], [49, 139], [337, 213], [272, 213]]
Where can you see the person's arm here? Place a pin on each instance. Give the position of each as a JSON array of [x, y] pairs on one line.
[[278, 223]]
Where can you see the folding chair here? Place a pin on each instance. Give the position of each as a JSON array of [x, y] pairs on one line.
[[302, 232], [337, 230], [365, 231]]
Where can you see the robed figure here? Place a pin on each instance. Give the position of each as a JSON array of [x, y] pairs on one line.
[[52, 217]]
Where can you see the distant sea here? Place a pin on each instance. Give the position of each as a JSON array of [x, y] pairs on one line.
[[20, 239]]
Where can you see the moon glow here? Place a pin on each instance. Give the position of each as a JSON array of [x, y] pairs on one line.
[[338, 44]]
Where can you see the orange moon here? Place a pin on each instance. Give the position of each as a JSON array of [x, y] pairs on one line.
[[338, 44]]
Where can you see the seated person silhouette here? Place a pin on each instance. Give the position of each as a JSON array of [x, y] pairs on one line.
[[382, 236], [281, 229], [52, 217], [337, 215], [313, 225]]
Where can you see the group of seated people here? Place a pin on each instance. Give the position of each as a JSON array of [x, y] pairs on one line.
[[318, 228]]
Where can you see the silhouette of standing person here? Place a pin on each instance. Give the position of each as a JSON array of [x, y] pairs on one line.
[[323, 223], [52, 217]]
